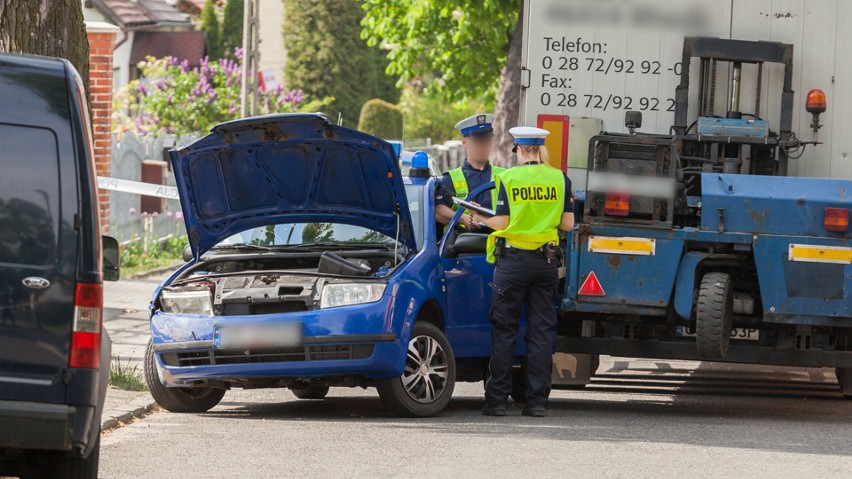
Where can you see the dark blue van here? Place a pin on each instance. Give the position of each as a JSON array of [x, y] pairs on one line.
[[54, 352]]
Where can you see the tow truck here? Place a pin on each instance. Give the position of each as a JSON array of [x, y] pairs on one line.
[[697, 245]]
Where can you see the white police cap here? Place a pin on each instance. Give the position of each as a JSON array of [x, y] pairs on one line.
[[479, 124], [528, 135]]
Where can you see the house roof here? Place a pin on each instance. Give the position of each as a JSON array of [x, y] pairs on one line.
[[183, 45], [131, 15]]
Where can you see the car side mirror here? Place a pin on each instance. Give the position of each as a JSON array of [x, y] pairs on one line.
[[470, 243], [112, 258], [187, 254]]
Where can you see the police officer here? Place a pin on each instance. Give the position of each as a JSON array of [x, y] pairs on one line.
[[477, 134], [533, 204]]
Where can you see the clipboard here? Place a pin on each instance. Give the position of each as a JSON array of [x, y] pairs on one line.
[[472, 207]]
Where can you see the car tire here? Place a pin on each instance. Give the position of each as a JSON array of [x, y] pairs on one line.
[[714, 315], [60, 466], [310, 392], [178, 399], [426, 386]]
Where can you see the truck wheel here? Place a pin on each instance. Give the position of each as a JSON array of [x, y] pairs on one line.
[[426, 385], [64, 467], [178, 399], [310, 392], [714, 315], [844, 378]]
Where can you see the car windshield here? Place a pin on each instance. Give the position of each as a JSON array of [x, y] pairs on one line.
[[291, 234]]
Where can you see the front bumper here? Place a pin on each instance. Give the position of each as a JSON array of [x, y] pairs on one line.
[[356, 340]]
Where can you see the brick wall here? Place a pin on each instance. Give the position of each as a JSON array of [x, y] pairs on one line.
[[101, 45]]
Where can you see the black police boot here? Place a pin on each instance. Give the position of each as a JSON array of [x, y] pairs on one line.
[[498, 410], [534, 411]]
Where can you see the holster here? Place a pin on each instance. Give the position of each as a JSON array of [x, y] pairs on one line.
[[554, 253], [500, 248]]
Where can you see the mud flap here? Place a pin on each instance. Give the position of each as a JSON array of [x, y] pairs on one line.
[[573, 369]]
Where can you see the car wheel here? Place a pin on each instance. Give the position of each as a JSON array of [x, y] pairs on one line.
[[178, 399], [65, 467], [714, 315], [426, 385], [310, 392]]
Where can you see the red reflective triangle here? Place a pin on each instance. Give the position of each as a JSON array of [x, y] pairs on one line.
[[591, 286]]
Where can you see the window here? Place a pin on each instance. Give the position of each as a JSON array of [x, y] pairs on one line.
[[29, 195]]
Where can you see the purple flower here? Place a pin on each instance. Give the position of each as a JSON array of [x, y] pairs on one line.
[[173, 61], [232, 109], [141, 89], [144, 214], [179, 215], [212, 98], [132, 211], [238, 53], [155, 214], [184, 66], [169, 214]]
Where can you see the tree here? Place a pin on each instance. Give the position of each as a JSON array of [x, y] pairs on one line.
[[210, 26], [326, 57], [232, 26], [46, 27], [382, 119], [472, 46]]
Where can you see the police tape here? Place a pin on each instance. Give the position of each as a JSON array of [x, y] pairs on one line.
[[138, 188]]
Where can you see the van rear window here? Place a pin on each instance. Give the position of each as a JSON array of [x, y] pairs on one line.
[[29, 195]]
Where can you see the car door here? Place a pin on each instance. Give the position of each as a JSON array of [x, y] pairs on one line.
[[468, 278]]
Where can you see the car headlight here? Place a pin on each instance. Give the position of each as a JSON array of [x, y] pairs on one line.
[[334, 295], [187, 302]]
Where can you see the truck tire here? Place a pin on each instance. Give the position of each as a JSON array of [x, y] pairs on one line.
[[310, 392], [426, 385], [178, 399], [714, 315], [66, 467]]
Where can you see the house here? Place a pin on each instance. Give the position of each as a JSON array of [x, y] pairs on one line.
[[148, 28]]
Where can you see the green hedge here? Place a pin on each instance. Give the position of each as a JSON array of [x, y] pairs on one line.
[[382, 119]]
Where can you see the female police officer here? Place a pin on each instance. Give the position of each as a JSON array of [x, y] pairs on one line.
[[533, 203]]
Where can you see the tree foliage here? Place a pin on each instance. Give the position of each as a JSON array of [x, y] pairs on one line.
[[326, 56], [232, 27], [433, 118], [210, 26], [463, 42], [382, 119]]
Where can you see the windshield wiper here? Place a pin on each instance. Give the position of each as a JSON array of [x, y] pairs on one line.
[[340, 245], [244, 247]]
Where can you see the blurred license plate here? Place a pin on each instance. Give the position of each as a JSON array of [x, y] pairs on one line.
[[736, 333], [240, 336]]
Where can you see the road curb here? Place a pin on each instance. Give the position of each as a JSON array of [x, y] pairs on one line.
[[155, 271], [121, 419]]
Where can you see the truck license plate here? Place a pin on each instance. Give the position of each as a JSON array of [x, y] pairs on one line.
[[254, 336], [747, 334]]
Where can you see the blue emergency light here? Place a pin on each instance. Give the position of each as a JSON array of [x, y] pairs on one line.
[[419, 165]]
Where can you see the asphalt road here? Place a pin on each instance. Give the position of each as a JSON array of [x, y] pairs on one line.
[[638, 419]]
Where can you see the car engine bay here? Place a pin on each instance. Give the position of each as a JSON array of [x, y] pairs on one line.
[[271, 283]]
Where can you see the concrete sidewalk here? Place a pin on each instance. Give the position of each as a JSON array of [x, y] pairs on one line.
[[126, 320]]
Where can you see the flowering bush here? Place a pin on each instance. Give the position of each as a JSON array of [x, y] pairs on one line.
[[172, 98]]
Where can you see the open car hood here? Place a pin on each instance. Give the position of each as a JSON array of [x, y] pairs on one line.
[[293, 168]]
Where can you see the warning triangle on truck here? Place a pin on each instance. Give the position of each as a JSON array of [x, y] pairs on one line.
[[591, 286]]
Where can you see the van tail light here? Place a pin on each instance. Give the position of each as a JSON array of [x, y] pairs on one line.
[[617, 204], [86, 333], [836, 219]]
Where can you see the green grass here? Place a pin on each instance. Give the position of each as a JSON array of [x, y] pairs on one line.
[[123, 375]]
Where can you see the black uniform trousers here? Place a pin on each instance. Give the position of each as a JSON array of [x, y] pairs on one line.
[[522, 278]]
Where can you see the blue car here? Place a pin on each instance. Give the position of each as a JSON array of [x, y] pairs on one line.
[[315, 265]]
